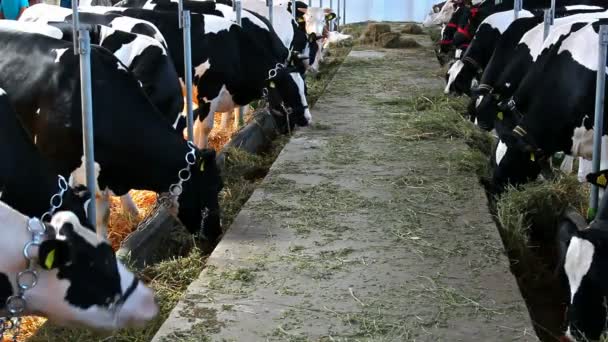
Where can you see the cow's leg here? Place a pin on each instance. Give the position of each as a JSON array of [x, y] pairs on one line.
[[128, 205], [202, 128], [227, 118], [102, 206]]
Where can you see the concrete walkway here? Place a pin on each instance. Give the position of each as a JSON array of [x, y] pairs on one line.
[[358, 234]]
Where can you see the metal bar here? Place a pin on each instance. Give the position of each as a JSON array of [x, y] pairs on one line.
[[309, 3], [344, 13], [270, 11], [294, 9], [321, 3], [86, 98], [338, 16], [188, 73], [547, 23], [333, 22], [517, 6], [239, 120], [598, 128], [180, 14], [75, 25]]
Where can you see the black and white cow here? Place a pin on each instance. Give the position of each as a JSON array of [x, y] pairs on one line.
[[80, 282], [539, 125], [473, 61], [135, 146], [144, 56], [230, 68], [514, 57], [583, 262], [49, 13], [27, 181]]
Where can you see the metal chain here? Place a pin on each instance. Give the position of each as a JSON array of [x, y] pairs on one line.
[[26, 280], [56, 200], [184, 175]]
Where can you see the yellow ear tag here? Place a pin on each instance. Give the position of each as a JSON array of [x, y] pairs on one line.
[[202, 166], [300, 20], [50, 259], [500, 116], [601, 180], [272, 85], [532, 157]]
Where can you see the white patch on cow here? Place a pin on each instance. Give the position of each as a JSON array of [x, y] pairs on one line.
[[35, 139], [59, 53], [478, 101], [578, 262], [121, 66], [215, 24], [136, 47], [452, 74], [583, 47], [443, 16], [281, 19], [582, 141], [2, 92], [502, 20], [22, 26], [297, 78], [127, 24], [501, 150], [315, 20], [535, 41], [508, 84], [201, 69], [458, 53], [581, 8]]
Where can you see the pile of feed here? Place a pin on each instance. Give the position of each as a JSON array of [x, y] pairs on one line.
[[381, 35]]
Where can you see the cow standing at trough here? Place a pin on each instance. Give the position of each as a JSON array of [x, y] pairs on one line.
[[230, 69], [27, 181], [77, 282], [135, 146], [144, 56]]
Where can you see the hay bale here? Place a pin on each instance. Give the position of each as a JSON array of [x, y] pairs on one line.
[[372, 32], [412, 29], [393, 40], [388, 40]]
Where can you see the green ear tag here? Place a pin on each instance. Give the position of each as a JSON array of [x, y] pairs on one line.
[[202, 166], [532, 156], [500, 116], [601, 180], [272, 85], [50, 259]]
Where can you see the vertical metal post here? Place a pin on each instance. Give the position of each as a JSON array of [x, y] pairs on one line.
[[333, 22], [82, 47], [321, 3], [188, 72], [239, 120], [344, 13], [86, 97], [270, 11], [548, 24], [309, 3], [598, 128], [338, 16], [75, 25], [294, 10], [517, 6]]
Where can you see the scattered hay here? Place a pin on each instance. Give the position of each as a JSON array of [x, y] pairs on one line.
[[529, 215], [121, 223], [392, 40], [412, 29]]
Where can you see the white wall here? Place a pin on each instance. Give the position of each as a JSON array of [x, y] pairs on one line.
[[383, 10]]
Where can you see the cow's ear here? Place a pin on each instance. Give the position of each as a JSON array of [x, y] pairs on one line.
[[330, 16], [53, 254]]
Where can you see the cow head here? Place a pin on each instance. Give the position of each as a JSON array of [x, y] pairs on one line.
[[287, 96], [316, 18], [584, 256], [460, 77], [79, 280], [512, 166], [486, 110], [199, 208]]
